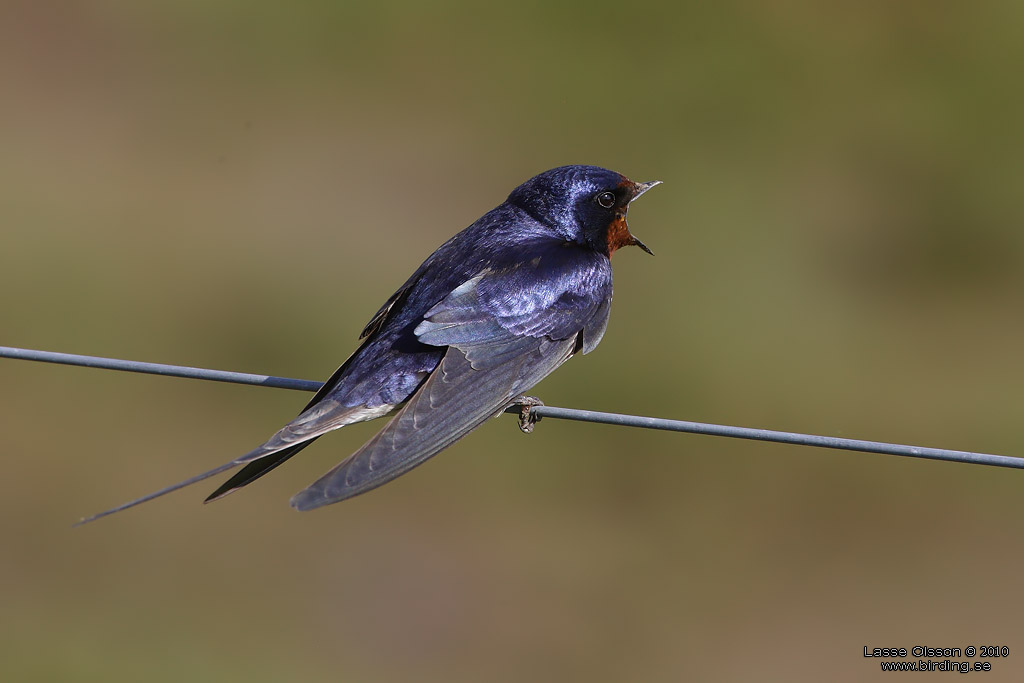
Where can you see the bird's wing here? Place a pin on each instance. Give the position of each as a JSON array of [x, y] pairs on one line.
[[551, 290], [506, 330], [468, 387]]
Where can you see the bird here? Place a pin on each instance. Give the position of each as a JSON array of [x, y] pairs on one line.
[[487, 316]]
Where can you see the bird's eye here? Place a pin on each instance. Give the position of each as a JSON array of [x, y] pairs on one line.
[[605, 199]]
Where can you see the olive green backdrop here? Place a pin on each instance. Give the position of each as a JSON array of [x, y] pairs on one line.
[[239, 185]]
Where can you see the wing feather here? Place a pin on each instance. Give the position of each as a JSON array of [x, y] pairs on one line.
[[457, 398], [557, 293]]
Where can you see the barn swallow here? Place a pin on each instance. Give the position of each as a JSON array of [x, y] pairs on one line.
[[486, 317]]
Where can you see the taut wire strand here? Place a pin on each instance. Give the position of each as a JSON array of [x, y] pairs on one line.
[[617, 419], [159, 369]]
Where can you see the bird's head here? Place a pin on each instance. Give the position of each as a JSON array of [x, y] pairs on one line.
[[584, 204]]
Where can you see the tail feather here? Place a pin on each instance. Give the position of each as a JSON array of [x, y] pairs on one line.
[[161, 492], [256, 469], [325, 416], [292, 438]]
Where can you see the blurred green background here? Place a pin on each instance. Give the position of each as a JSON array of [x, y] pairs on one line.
[[239, 185]]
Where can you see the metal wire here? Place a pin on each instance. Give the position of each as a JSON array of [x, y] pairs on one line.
[[537, 412], [159, 369]]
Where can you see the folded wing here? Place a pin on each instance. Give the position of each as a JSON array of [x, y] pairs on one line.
[[505, 329], [456, 399]]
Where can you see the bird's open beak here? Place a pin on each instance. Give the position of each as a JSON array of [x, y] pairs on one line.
[[639, 189]]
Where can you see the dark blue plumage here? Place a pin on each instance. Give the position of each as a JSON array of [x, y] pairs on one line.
[[488, 315]]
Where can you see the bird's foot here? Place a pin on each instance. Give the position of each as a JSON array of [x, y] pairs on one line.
[[527, 418]]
